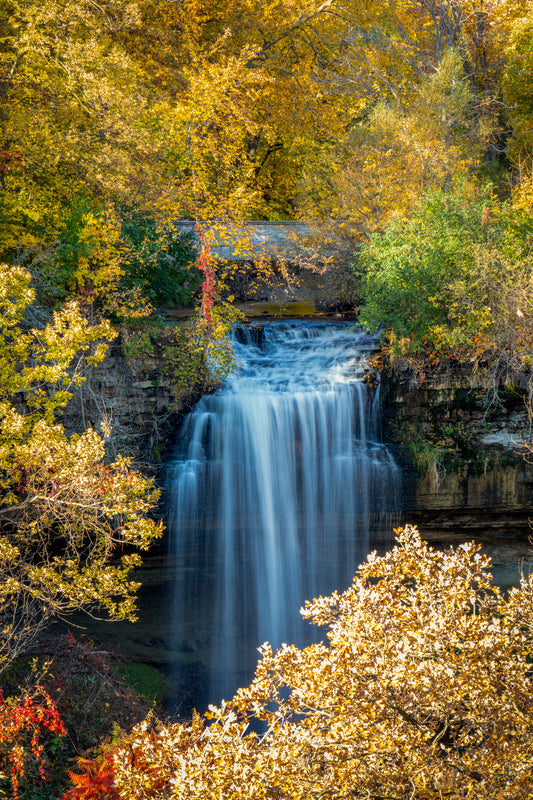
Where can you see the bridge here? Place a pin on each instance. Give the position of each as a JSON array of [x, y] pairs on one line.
[[300, 244], [246, 241]]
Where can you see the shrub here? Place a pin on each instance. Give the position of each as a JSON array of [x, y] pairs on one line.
[[453, 276], [31, 746], [159, 261], [424, 690], [117, 260]]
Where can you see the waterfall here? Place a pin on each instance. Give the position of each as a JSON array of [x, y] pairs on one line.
[[279, 484]]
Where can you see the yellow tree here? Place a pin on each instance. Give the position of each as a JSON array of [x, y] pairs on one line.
[[241, 104], [80, 146], [66, 107], [392, 157], [514, 23], [420, 79], [174, 107], [70, 522], [242, 100]]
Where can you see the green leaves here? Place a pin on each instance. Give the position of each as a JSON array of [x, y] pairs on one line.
[[160, 262], [439, 278]]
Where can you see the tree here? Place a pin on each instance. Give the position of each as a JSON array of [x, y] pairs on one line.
[[70, 521], [453, 277], [81, 150], [421, 108], [114, 111], [453, 281], [244, 100], [392, 156], [515, 24], [416, 278], [70, 122], [423, 690]]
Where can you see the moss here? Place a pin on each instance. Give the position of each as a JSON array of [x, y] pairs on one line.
[[145, 680], [427, 458]]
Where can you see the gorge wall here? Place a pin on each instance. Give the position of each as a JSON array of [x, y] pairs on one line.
[[132, 401], [466, 464], [472, 480]]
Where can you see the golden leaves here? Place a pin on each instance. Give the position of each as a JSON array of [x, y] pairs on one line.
[[424, 690], [64, 508]]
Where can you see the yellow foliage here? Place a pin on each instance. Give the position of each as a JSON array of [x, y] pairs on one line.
[[513, 30], [423, 690], [399, 151], [66, 513]]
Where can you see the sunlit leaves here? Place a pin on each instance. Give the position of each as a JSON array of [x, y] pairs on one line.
[[76, 126], [66, 512], [422, 690], [395, 151], [516, 29]]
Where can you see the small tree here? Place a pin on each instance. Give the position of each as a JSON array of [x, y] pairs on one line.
[[454, 276], [68, 519], [424, 690]]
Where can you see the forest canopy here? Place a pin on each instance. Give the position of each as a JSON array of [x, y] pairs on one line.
[[118, 118]]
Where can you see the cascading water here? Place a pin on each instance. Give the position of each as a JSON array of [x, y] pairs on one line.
[[280, 482]]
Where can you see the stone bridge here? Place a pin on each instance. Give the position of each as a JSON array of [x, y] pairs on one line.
[[248, 240]]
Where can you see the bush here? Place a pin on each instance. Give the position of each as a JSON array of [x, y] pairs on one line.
[[31, 746], [114, 258], [64, 699], [448, 277], [424, 690], [89, 690], [160, 261]]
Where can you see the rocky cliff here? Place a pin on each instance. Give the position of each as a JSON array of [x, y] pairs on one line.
[[131, 401], [465, 456]]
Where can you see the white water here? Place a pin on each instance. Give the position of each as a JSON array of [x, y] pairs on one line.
[[279, 484]]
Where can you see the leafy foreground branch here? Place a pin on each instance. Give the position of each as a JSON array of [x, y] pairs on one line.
[[69, 520], [424, 690]]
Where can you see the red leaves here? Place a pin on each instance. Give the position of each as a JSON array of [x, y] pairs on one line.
[[23, 727], [96, 782], [8, 158], [209, 285]]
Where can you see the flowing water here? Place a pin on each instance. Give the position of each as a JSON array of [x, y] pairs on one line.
[[279, 488]]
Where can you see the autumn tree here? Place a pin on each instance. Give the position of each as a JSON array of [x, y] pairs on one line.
[[324, 108], [244, 94], [180, 105], [66, 117], [422, 690], [80, 153], [420, 80], [236, 102], [514, 24], [71, 522]]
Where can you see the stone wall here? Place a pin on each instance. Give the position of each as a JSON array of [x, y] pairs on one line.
[[132, 402], [467, 474]]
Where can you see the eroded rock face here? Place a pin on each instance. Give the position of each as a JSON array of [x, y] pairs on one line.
[[132, 402], [465, 462]]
